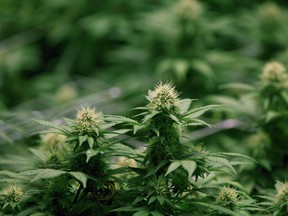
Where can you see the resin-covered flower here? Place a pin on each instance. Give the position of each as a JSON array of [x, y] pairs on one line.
[[227, 197], [281, 197], [12, 193], [164, 96], [88, 121], [274, 73]]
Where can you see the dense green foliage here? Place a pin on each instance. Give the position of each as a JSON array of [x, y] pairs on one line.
[[172, 156]]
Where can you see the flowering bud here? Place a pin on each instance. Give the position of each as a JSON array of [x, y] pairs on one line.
[[274, 72], [164, 96], [88, 121], [227, 197], [12, 193], [281, 196]]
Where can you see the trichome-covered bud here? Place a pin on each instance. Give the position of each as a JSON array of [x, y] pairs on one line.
[[227, 197], [274, 74], [281, 197], [188, 9], [164, 96], [88, 121], [12, 193]]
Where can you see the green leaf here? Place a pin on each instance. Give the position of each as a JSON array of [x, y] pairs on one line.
[[90, 142], [161, 199], [184, 105], [156, 213], [190, 166], [239, 155], [13, 175], [112, 134], [120, 119], [197, 122], [137, 200], [91, 153], [64, 130], [154, 170], [173, 166], [173, 117], [223, 162], [47, 173], [152, 199], [217, 208], [80, 177], [143, 212], [82, 139], [126, 208], [137, 128], [201, 110], [40, 154]]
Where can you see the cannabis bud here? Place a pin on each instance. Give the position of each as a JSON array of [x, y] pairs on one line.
[[12, 193], [164, 96], [88, 121], [274, 74], [227, 197], [281, 197], [189, 9]]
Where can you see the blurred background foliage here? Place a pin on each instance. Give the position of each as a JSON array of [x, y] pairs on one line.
[[57, 55]]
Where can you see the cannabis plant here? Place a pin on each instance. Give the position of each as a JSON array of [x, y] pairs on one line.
[[175, 178], [263, 107], [71, 172], [79, 166]]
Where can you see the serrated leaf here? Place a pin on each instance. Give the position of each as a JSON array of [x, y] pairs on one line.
[[184, 105], [120, 119], [173, 166], [161, 199], [65, 130], [156, 213], [173, 117], [152, 199], [197, 122], [126, 208], [218, 208], [40, 154], [91, 153], [90, 142], [142, 213], [137, 128], [112, 134], [195, 113], [82, 139], [47, 173], [239, 155], [190, 166], [223, 162], [154, 170], [137, 200], [80, 177], [13, 175]]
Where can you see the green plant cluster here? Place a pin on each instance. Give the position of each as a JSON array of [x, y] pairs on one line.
[[194, 43], [161, 160], [84, 167]]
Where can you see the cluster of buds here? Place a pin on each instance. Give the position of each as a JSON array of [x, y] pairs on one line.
[[274, 75], [88, 122], [12, 193], [281, 197], [227, 197], [189, 9], [163, 97]]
